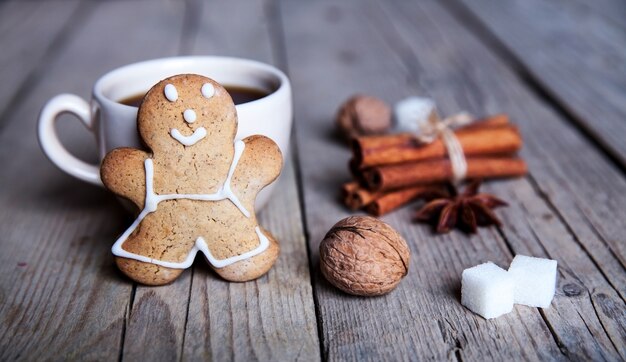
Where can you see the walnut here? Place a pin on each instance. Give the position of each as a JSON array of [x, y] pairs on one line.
[[363, 115], [362, 255]]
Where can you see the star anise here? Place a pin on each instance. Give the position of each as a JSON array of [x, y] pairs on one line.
[[466, 211]]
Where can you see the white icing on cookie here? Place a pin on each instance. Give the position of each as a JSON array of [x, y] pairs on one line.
[[208, 90], [171, 93], [151, 204], [191, 140], [201, 245], [189, 115]]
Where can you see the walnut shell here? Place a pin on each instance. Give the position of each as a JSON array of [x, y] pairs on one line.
[[362, 255], [363, 115]]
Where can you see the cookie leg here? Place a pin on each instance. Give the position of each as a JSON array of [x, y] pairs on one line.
[[163, 235], [254, 267], [146, 273]]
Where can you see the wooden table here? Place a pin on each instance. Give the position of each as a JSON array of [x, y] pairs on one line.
[[558, 68]]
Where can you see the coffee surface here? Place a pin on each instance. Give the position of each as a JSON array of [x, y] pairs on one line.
[[238, 94]]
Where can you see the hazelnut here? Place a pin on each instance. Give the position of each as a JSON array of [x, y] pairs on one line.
[[363, 115], [362, 255]]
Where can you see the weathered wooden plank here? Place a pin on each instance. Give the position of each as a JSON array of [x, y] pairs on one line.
[[59, 293], [612, 10], [336, 50], [583, 186], [333, 52], [28, 32], [157, 316], [595, 221], [156, 324], [600, 272], [571, 315], [535, 229], [575, 54], [215, 33], [66, 299], [272, 318]]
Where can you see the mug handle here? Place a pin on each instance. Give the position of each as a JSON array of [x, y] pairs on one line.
[[49, 139]]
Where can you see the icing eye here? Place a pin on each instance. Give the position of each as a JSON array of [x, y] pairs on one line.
[[189, 115], [171, 93], [208, 90]]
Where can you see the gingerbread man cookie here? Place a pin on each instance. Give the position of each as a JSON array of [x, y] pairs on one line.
[[196, 189]]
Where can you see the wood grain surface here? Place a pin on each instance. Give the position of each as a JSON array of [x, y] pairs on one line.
[[401, 49], [591, 207], [555, 67], [272, 318], [572, 52], [611, 10], [63, 267], [61, 292], [549, 158], [30, 33]]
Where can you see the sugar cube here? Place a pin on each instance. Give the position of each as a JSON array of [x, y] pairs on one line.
[[411, 112], [535, 280], [487, 290]]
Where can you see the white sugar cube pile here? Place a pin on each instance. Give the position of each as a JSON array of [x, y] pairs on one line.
[[491, 291], [487, 290], [534, 279]]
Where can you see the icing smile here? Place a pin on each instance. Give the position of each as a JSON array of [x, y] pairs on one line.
[[196, 136]]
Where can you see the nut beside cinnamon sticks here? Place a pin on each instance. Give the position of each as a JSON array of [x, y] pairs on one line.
[[363, 115]]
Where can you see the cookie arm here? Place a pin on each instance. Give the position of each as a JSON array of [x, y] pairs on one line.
[[123, 172], [259, 165]]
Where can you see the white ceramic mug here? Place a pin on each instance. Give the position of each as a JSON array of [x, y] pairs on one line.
[[114, 124]]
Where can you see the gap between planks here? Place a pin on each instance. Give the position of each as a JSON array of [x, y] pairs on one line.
[[389, 56], [465, 16], [277, 33], [130, 306], [474, 24], [32, 78], [576, 239]]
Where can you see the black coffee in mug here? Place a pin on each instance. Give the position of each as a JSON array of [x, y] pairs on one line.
[[238, 94]]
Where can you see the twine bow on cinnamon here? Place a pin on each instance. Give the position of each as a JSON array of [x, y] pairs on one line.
[[434, 127]]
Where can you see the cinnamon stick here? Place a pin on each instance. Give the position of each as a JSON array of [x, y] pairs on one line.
[[493, 137], [355, 197], [390, 140], [356, 171], [379, 203], [388, 177], [497, 120], [395, 199]]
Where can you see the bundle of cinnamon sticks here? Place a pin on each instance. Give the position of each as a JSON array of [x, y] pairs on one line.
[[392, 170]]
